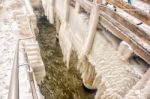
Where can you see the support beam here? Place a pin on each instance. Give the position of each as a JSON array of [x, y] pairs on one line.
[[126, 23], [77, 7], [139, 14], [93, 22], [146, 1], [121, 32]]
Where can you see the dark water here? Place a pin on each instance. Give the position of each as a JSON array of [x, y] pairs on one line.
[[59, 83]]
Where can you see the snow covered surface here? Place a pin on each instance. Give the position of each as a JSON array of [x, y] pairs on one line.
[[9, 34]]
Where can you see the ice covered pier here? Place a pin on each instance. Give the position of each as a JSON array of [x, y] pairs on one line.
[[111, 39]]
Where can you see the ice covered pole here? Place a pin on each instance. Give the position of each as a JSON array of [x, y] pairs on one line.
[[93, 22]]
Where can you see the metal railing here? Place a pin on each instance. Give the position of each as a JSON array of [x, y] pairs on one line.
[[14, 82], [30, 75]]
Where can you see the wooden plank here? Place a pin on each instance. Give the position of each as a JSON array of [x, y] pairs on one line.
[[133, 27], [139, 14], [146, 1], [98, 1], [86, 5], [123, 33]]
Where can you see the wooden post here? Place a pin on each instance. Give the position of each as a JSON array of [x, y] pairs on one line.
[[77, 7], [93, 22]]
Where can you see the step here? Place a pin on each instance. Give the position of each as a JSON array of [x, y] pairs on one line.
[[33, 54], [38, 67], [31, 44], [32, 49], [34, 60]]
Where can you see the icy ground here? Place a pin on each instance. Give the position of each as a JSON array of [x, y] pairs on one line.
[[9, 34]]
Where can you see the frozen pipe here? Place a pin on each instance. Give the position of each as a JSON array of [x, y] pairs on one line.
[[94, 17], [140, 85]]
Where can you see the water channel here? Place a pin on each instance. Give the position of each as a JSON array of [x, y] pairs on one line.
[[59, 82]]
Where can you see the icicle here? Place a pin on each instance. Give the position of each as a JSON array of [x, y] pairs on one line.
[[57, 25], [65, 43], [43, 4], [51, 12], [66, 10], [84, 72], [97, 80], [77, 7], [68, 55], [81, 68], [94, 16], [46, 12], [89, 73]]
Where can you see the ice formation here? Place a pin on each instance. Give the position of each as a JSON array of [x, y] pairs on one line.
[[48, 6], [99, 62], [65, 44]]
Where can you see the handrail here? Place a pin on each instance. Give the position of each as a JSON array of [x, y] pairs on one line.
[[14, 82]]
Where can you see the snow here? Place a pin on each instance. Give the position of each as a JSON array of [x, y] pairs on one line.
[[9, 34]]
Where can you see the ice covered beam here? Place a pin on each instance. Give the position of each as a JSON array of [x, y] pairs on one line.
[[121, 32], [139, 14], [146, 1], [85, 4], [125, 34], [128, 24]]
